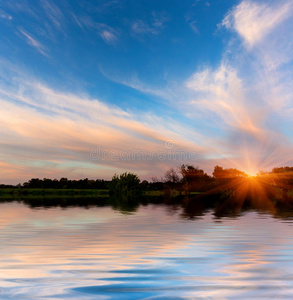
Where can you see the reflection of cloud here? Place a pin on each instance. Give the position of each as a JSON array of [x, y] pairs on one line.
[[60, 249]]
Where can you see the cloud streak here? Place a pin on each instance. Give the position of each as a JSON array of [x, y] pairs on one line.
[[154, 26], [53, 13], [55, 133], [34, 43]]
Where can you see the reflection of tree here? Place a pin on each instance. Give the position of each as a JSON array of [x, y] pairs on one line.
[[243, 195], [64, 202], [124, 204], [194, 209]]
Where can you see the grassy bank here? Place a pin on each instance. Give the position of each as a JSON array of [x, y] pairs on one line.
[[21, 192], [173, 193]]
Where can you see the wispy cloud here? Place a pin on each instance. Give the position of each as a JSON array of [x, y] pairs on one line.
[[108, 36], [140, 27], [43, 19], [245, 102], [107, 33], [249, 143], [5, 15], [53, 12], [135, 83], [192, 22], [34, 43], [23, 6], [250, 89], [194, 27], [222, 92], [253, 21], [154, 26], [59, 131]]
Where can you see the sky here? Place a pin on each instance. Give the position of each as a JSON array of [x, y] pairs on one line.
[[93, 88]]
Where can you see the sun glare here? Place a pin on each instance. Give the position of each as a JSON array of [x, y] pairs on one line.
[[251, 172], [250, 175], [252, 178]]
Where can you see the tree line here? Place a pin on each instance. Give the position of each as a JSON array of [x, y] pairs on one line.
[[186, 178], [62, 183]]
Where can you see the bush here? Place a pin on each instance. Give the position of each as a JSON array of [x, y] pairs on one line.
[[126, 184]]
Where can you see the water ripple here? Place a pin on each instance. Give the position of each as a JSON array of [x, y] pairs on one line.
[[150, 254]]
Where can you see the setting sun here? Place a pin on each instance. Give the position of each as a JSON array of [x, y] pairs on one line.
[[251, 175]]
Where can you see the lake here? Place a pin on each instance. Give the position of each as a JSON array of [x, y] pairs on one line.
[[156, 251]]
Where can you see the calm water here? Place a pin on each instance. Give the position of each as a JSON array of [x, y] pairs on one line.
[[154, 253]]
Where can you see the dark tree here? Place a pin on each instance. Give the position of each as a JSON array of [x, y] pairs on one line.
[[194, 179], [171, 176]]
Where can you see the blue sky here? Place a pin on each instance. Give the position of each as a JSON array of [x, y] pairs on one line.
[[212, 77], [88, 45]]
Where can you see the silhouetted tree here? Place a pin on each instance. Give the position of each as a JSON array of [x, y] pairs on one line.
[[281, 176], [144, 185], [221, 173], [35, 183], [63, 183], [171, 176], [194, 179]]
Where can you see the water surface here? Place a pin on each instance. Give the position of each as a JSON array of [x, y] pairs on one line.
[[155, 252]]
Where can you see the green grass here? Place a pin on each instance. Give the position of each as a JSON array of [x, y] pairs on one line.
[[162, 193], [52, 192], [23, 192], [153, 193]]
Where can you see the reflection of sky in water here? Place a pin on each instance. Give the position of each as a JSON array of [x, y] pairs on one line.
[[100, 254]]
